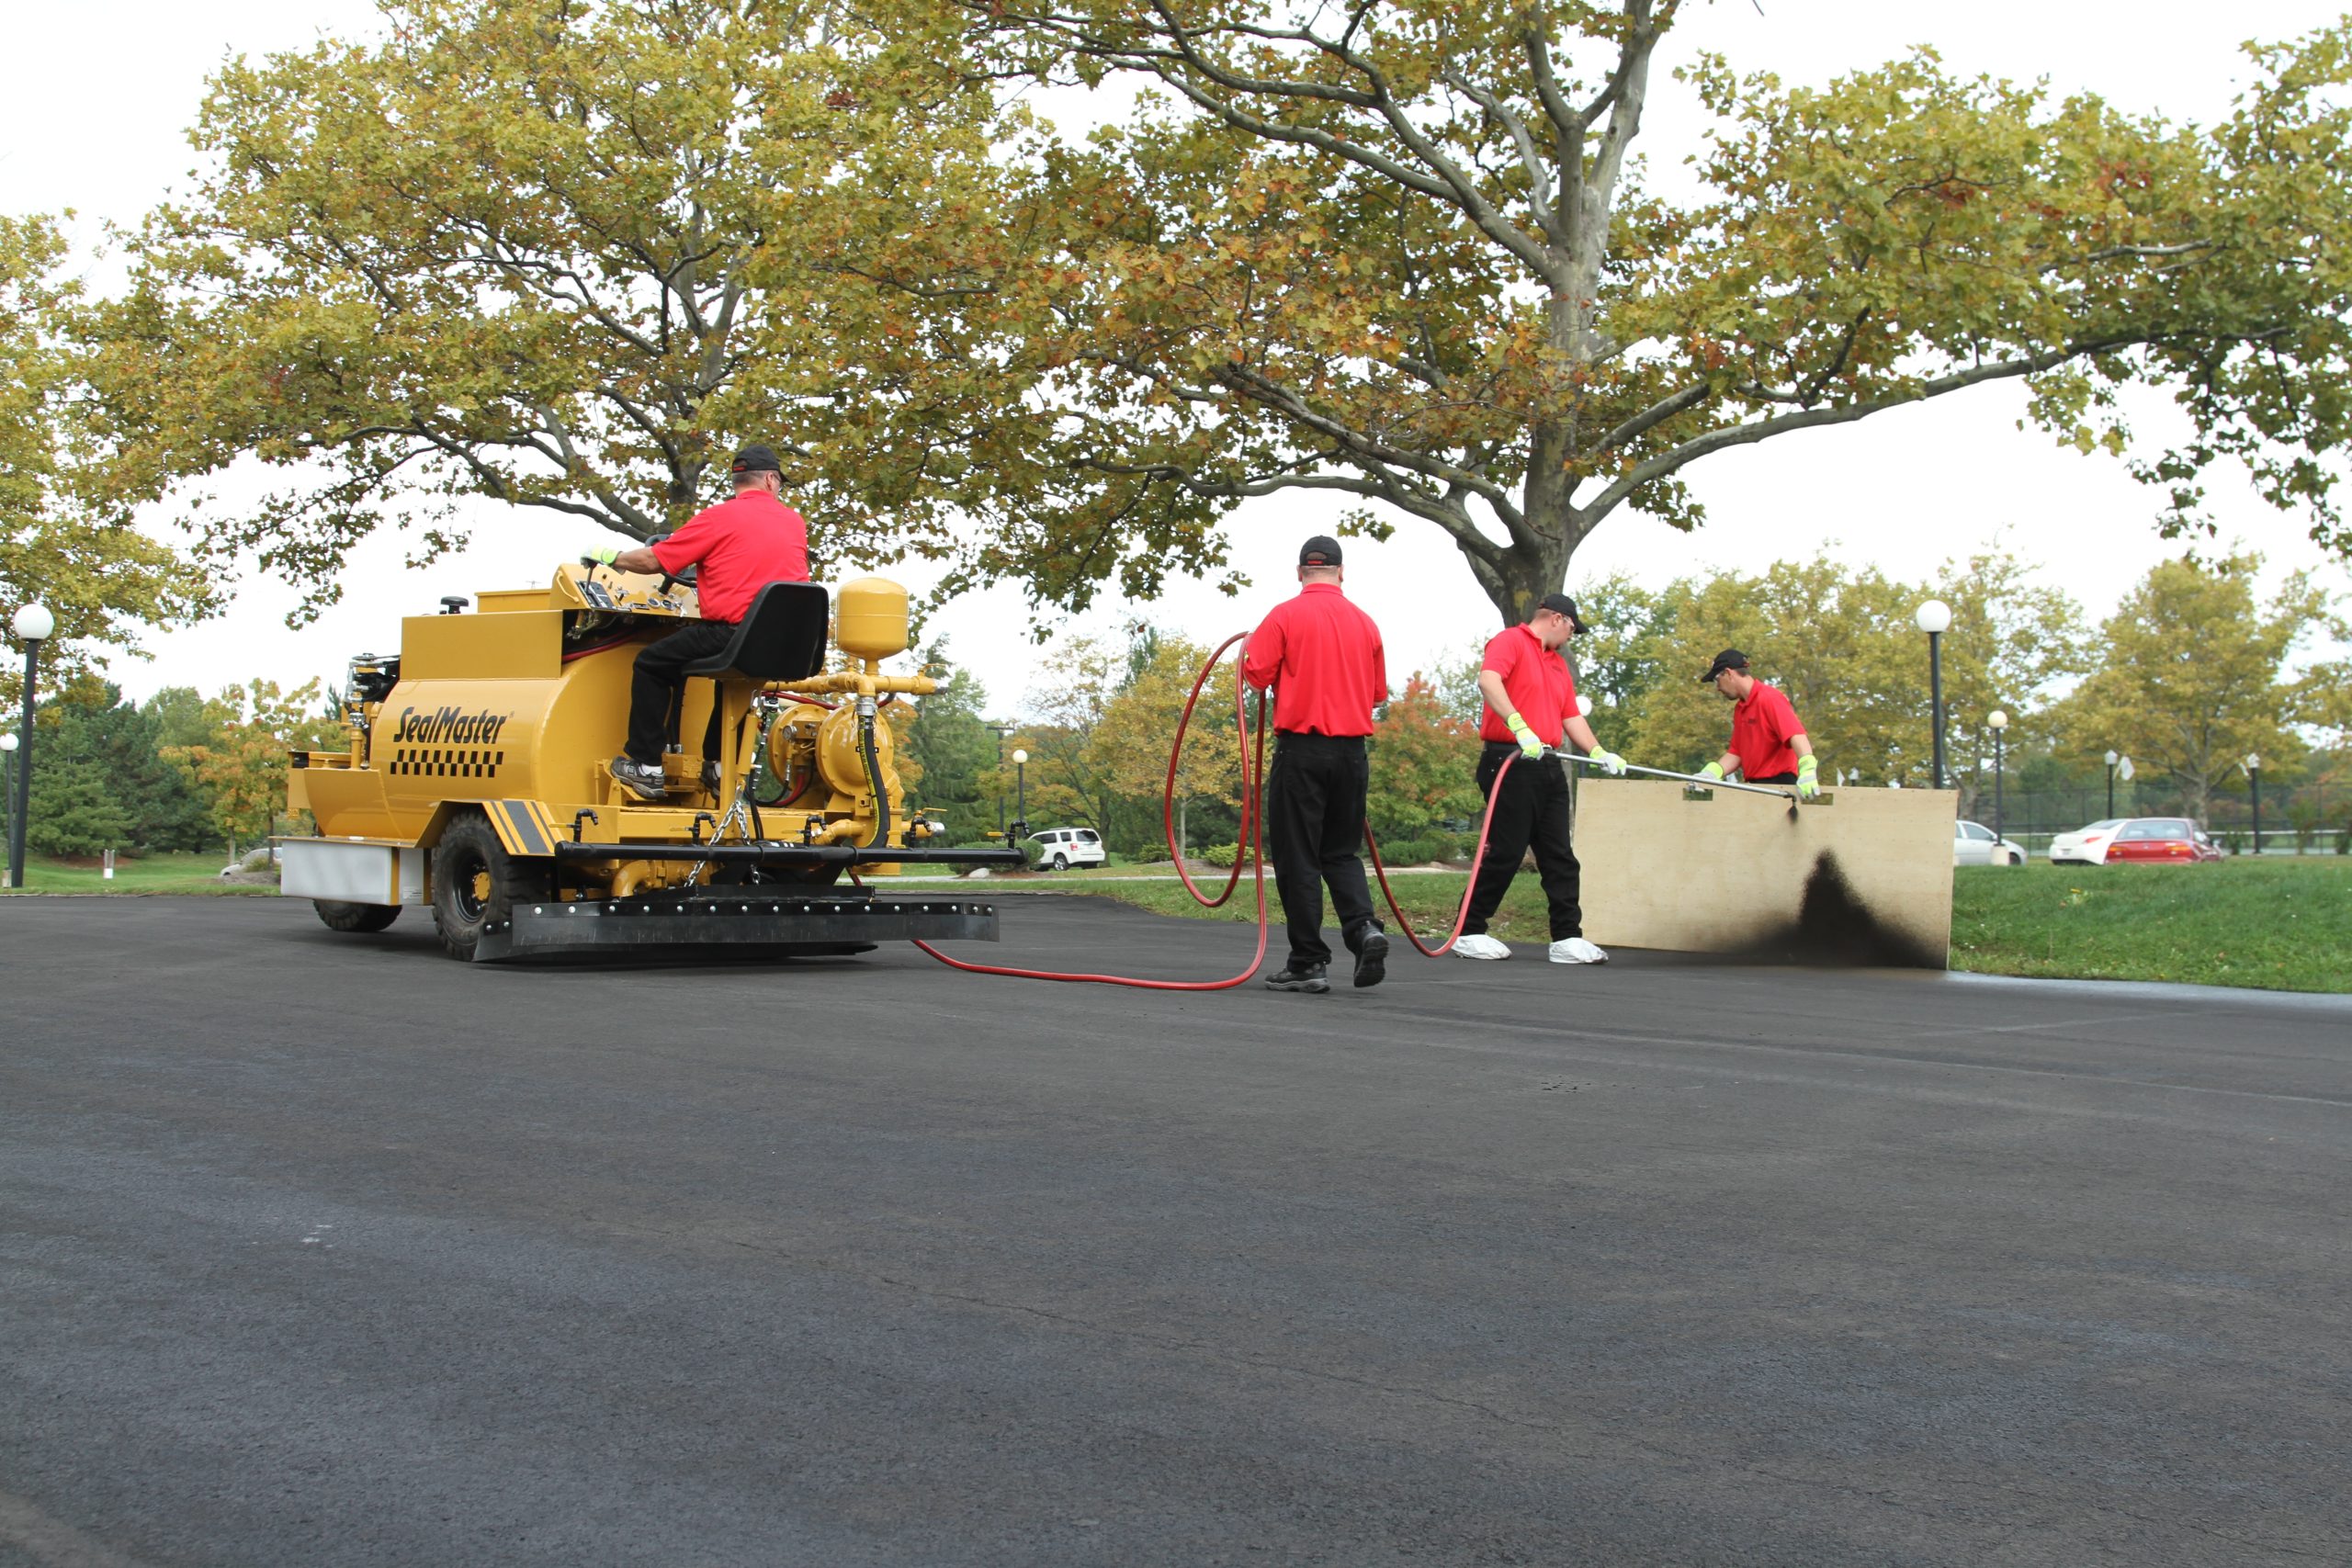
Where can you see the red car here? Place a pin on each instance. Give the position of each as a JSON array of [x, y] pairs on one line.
[[2161, 840]]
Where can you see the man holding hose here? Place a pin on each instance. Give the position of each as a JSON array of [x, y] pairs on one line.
[[1530, 704], [1324, 659], [1768, 745]]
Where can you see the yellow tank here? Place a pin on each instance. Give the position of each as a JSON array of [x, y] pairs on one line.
[[476, 778], [870, 619]]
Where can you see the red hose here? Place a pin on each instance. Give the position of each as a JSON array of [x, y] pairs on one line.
[[1461, 916], [1251, 833]]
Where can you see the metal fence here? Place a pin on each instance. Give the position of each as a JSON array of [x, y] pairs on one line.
[[2311, 819]]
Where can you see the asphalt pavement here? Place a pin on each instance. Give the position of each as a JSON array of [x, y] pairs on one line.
[[321, 1249]]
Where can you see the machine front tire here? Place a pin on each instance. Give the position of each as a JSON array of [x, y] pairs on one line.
[[473, 884], [341, 917]]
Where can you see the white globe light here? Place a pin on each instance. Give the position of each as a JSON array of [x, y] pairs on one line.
[[8, 742], [1935, 616], [34, 622], [1997, 719], [1584, 705], [2253, 763], [1020, 756], [2112, 759]]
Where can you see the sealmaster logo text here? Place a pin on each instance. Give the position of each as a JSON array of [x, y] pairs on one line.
[[454, 726]]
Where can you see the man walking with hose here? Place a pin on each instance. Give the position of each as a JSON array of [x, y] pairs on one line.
[[1530, 704], [1323, 657]]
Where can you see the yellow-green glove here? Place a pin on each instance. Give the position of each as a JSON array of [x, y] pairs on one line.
[[1713, 771], [1608, 763], [602, 555], [1808, 777], [1529, 747]]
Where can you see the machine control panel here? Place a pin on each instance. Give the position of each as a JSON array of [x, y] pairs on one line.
[[602, 588]]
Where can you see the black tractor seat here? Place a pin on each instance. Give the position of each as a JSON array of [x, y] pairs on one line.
[[782, 638]]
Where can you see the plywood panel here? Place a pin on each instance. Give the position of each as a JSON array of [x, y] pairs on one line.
[[1663, 869]]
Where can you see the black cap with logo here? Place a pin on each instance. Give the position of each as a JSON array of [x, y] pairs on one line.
[[1320, 550], [1561, 604], [1729, 659], [754, 459]]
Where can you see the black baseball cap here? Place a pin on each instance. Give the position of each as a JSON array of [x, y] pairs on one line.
[[1561, 604], [756, 459], [1320, 550], [1729, 659]]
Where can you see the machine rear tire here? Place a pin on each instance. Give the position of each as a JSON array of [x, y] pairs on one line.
[[341, 917], [473, 884]]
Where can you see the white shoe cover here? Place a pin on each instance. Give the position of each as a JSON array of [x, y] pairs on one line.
[[1479, 947], [1575, 950]]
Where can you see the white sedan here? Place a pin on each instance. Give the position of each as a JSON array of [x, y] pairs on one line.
[[2086, 846], [1972, 843]]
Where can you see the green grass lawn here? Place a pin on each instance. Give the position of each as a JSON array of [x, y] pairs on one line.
[[196, 872], [2278, 923], [2284, 924]]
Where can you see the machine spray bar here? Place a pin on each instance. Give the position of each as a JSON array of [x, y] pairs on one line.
[[1687, 778], [781, 855]]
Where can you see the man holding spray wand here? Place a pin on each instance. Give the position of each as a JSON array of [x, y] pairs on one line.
[[1530, 704]]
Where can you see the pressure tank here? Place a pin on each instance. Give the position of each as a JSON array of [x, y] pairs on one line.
[[870, 618]]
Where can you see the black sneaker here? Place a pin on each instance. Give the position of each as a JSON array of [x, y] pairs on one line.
[[1296, 978], [1372, 960], [643, 780]]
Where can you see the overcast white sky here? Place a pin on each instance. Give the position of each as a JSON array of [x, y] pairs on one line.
[[1906, 490]]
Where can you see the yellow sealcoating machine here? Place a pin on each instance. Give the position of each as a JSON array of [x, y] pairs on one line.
[[476, 780]]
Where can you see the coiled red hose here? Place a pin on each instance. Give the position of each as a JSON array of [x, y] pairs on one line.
[[1252, 834]]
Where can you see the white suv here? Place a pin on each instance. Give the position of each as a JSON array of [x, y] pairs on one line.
[[1059, 848]]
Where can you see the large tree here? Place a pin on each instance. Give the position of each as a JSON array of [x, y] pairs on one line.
[[561, 254], [66, 537], [1400, 252]]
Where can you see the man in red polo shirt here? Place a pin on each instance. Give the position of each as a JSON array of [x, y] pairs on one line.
[[736, 548], [1768, 746], [1323, 658], [1532, 704]]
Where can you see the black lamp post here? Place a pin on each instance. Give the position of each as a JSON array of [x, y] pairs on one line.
[[1021, 788], [2254, 779], [1934, 617], [2000, 722], [2111, 759], [1002, 730], [33, 624]]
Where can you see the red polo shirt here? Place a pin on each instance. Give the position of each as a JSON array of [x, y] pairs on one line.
[[737, 548], [1324, 659], [1537, 682], [1761, 723]]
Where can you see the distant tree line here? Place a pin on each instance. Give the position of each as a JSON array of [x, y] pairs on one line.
[[2192, 673], [179, 772]]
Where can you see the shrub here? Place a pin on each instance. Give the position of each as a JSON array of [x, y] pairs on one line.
[[1221, 856], [1419, 851]]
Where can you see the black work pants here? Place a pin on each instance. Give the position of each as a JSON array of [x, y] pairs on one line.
[[657, 690], [1315, 818], [1532, 810]]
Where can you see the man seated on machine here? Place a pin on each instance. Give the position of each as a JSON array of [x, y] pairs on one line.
[[737, 547]]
